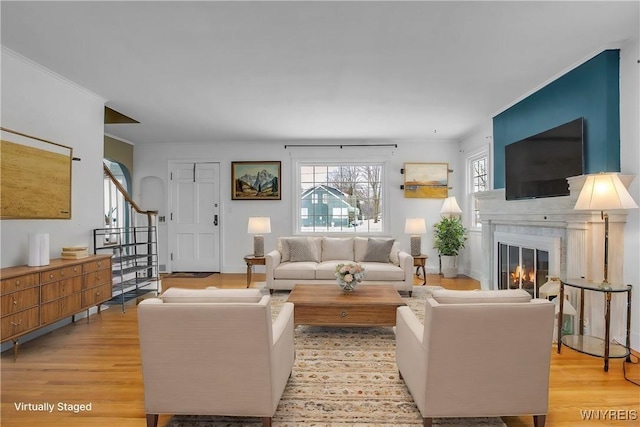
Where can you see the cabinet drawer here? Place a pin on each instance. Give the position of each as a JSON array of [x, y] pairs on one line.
[[96, 295], [20, 282], [102, 264], [17, 323], [60, 289], [60, 308], [18, 301], [97, 278], [60, 273]]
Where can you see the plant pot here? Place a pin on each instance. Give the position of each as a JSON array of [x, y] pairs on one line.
[[449, 267]]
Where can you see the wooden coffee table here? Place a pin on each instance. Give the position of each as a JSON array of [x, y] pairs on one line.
[[328, 305]]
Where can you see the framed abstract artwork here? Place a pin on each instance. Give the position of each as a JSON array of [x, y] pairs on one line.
[[258, 180], [426, 180]]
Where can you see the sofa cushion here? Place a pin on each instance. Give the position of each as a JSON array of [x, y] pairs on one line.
[[337, 248], [378, 250], [385, 271], [447, 296], [359, 248], [295, 270], [302, 249], [326, 270], [182, 295]]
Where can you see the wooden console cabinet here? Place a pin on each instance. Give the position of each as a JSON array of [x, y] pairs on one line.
[[33, 297]]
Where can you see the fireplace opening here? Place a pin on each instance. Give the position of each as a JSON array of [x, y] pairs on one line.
[[521, 267]]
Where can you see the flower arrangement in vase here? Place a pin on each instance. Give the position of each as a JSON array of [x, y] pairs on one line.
[[349, 276]]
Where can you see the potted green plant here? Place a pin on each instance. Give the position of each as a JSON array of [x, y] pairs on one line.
[[450, 236]]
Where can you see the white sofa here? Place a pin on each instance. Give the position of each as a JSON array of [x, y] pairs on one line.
[[311, 260]]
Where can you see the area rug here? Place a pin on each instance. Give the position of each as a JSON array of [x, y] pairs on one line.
[[343, 377], [189, 275]]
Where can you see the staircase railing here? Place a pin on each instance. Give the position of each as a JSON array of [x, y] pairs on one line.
[[152, 237], [149, 214]]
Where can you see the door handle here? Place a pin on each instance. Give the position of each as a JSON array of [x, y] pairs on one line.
[[215, 219]]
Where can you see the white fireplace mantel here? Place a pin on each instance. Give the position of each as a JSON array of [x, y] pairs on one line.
[[581, 233]]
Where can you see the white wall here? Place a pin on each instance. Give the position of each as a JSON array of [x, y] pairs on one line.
[[37, 102], [630, 164], [152, 161]]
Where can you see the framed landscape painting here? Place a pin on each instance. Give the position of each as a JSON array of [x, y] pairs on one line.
[[426, 180], [36, 177], [255, 180]]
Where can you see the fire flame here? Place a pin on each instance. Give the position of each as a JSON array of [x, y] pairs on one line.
[[526, 275]]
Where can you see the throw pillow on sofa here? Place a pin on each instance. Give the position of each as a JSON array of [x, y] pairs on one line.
[[302, 249], [378, 250], [283, 248], [394, 256]]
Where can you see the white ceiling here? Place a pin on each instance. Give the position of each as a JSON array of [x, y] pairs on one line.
[[214, 71]]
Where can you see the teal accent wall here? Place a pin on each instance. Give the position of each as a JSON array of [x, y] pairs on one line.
[[592, 91]]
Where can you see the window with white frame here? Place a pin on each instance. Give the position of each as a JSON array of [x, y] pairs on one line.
[[478, 181], [340, 198]]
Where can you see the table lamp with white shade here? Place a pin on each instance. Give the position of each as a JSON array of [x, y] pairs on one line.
[[415, 227], [259, 225], [603, 192]]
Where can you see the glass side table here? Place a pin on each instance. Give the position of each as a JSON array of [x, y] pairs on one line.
[[591, 345]]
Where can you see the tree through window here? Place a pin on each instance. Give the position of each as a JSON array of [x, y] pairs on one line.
[[479, 182], [341, 198]]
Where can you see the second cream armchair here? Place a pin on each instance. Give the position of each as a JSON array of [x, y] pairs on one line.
[[478, 354]]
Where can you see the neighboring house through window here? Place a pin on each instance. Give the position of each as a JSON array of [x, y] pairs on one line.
[[340, 198]]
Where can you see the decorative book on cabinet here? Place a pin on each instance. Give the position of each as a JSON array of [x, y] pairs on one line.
[[134, 252], [34, 297]]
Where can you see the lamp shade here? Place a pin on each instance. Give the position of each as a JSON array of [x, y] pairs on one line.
[[604, 191], [450, 207], [415, 226], [259, 225]]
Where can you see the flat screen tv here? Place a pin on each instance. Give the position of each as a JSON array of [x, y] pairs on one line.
[[538, 166]]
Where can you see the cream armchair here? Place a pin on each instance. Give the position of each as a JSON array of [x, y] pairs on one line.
[[214, 352], [478, 354]]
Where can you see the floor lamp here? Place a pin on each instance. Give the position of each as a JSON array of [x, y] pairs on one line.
[[450, 207], [603, 192]]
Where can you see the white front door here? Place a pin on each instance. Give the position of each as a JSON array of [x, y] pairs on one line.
[[195, 217]]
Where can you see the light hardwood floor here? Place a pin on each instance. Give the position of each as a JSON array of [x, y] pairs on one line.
[[98, 362]]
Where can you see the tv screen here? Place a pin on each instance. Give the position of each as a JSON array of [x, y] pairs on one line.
[[538, 166]]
